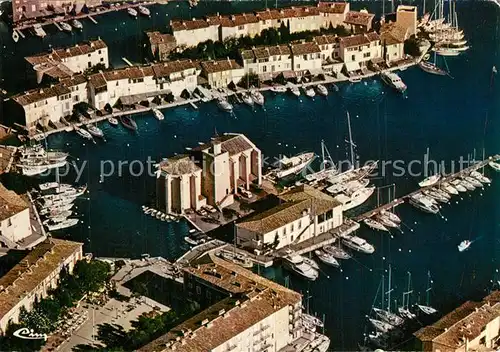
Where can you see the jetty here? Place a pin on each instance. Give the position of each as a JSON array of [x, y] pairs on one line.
[[446, 178]]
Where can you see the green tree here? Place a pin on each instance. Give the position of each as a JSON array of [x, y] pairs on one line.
[[248, 80]]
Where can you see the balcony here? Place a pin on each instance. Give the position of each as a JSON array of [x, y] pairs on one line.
[[265, 347], [231, 348]]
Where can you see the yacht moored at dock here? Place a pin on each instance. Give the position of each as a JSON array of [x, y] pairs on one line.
[[358, 244], [257, 97], [422, 202], [295, 164], [327, 258], [132, 12], [128, 122], [77, 24], [393, 81], [337, 252], [321, 89], [158, 114], [375, 225], [429, 181], [66, 27], [143, 10], [296, 264]]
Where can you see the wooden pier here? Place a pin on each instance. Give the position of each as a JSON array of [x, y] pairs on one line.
[[446, 178]]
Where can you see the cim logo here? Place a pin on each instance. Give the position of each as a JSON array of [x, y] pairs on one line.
[[27, 334]]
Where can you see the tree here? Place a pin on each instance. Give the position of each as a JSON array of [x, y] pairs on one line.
[[411, 47], [248, 80]]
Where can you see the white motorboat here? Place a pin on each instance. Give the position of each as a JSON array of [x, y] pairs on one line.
[[39, 152], [393, 81], [446, 51], [61, 216], [441, 192], [296, 264], [435, 195], [355, 79], [61, 225], [54, 211], [313, 320], [319, 344], [224, 105], [46, 203], [473, 181], [278, 89], [112, 121], [33, 170], [495, 166], [158, 114], [429, 181], [310, 262], [77, 24], [63, 190], [464, 245], [353, 198], [83, 133], [384, 220], [458, 186], [66, 27], [388, 317], [449, 188], [336, 252], [326, 258], [321, 89], [38, 30], [424, 203], [295, 90], [236, 258], [144, 10], [427, 309], [247, 98], [480, 177], [469, 186], [295, 164], [309, 91], [358, 244], [257, 97], [50, 185], [391, 216], [375, 225], [381, 326], [95, 131], [132, 12]]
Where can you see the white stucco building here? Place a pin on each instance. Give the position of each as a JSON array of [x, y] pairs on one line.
[[15, 222], [333, 13], [306, 57], [359, 21], [247, 312], [357, 50], [220, 73], [190, 33], [64, 62], [49, 104], [305, 213], [178, 186], [35, 275], [267, 61], [240, 25]]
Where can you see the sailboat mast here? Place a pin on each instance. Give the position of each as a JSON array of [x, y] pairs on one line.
[[428, 291], [323, 155], [350, 139], [383, 293], [389, 291], [423, 13], [408, 292]]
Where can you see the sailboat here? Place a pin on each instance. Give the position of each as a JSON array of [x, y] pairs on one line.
[[427, 309], [404, 310], [327, 168], [386, 315], [431, 67]]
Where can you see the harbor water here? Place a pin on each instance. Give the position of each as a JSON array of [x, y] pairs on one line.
[[452, 116]]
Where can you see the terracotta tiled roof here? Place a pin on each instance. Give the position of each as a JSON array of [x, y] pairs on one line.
[[231, 143], [179, 165], [60, 54], [157, 38], [253, 298], [165, 69], [32, 270], [11, 203], [74, 80], [219, 65], [298, 202], [372, 36], [269, 14], [97, 80], [359, 18], [190, 24], [238, 20], [326, 39], [332, 7], [36, 95], [391, 32], [354, 40], [305, 48]]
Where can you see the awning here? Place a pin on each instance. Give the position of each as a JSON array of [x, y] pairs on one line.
[[266, 76], [315, 71], [352, 66], [133, 99], [377, 60]]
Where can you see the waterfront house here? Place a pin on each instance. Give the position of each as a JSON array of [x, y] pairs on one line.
[[34, 277], [300, 19], [227, 162], [267, 61], [178, 185], [392, 37], [245, 312], [356, 51], [305, 213], [359, 21], [65, 62], [235, 26], [406, 18], [190, 33], [306, 58], [31, 9], [15, 222], [131, 85], [330, 53], [333, 13], [221, 73], [160, 45], [474, 326], [49, 104]]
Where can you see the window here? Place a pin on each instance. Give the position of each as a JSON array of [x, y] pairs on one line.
[[300, 224], [304, 57], [102, 59], [99, 51], [88, 55], [117, 82], [241, 27], [353, 57], [291, 227], [89, 64], [284, 230], [208, 295], [198, 290], [366, 55], [298, 66]]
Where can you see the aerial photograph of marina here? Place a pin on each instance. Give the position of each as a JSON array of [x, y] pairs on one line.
[[249, 176]]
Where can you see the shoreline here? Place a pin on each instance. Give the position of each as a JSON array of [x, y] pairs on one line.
[[214, 94]]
